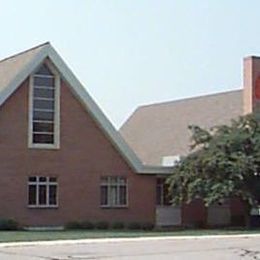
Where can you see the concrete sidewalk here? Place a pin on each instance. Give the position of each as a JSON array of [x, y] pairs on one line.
[[115, 240]]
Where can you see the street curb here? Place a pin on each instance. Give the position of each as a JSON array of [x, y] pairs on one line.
[[115, 240]]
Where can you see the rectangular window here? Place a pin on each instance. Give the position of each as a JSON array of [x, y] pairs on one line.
[[162, 194], [113, 192], [44, 108], [42, 191]]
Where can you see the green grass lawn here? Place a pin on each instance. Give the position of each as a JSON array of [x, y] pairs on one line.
[[14, 236]]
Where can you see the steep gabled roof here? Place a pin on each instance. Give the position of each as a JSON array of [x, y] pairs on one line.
[[158, 130], [11, 69], [15, 69]]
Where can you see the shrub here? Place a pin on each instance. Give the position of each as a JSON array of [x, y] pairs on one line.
[[8, 224], [80, 225], [134, 225], [87, 225], [74, 225], [118, 225], [195, 225], [147, 226], [102, 225]]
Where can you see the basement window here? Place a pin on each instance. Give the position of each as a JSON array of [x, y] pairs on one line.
[[42, 192], [44, 108]]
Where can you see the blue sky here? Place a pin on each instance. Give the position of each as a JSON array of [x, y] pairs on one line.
[[129, 53]]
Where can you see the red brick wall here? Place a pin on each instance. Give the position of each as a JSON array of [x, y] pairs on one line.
[[238, 212], [194, 214], [85, 154], [251, 77]]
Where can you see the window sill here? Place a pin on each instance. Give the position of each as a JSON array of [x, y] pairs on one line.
[[168, 206], [43, 206], [114, 207], [44, 146]]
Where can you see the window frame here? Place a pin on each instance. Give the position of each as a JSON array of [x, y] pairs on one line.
[[56, 121], [163, 196], [48, 183], [109, 184]]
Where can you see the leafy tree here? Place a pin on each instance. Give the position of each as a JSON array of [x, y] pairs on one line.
[[224, 162]]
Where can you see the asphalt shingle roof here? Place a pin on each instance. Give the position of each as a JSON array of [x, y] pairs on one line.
[[158, 130], [11, 66]]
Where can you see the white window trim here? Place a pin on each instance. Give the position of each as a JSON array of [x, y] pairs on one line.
[[109, 205], [56, 144], [47, 183]]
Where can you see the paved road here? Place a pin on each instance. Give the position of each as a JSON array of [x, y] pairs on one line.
[[202, 249]]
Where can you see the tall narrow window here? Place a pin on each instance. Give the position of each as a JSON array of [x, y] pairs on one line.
[[162, 195], [44, 108]]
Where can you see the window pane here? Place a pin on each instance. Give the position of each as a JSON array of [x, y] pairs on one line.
[[53, 195], [43, 127], [32, 179], [44, 81], [162, 197], [122, 195], [113, 198], [42, 179], [43, 116], [159, 194], [122, 181], [43, 138], [166, 196], [113, 180], [53, 179], [42, 194], [160, 181], [45, 93], [103, 197], [44, 70], [32, 195], [43, 104]]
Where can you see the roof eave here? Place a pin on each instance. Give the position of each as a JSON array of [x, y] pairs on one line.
[[95, 111], [156, 170]]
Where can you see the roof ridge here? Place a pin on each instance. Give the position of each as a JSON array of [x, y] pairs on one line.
[[191, 98], [22, 52]]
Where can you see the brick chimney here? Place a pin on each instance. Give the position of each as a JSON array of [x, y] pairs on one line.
[[251, 95]]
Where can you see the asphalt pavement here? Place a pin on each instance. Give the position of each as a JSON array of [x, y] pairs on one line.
[[213, 248]]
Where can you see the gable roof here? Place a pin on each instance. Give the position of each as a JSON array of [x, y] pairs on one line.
[[15, 69], [158, 130], [11, 69]]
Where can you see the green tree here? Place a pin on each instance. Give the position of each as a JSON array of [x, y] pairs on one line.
[[224, 162]]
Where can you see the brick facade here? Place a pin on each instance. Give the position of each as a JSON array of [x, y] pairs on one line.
[[88, 147], [84, 156]]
